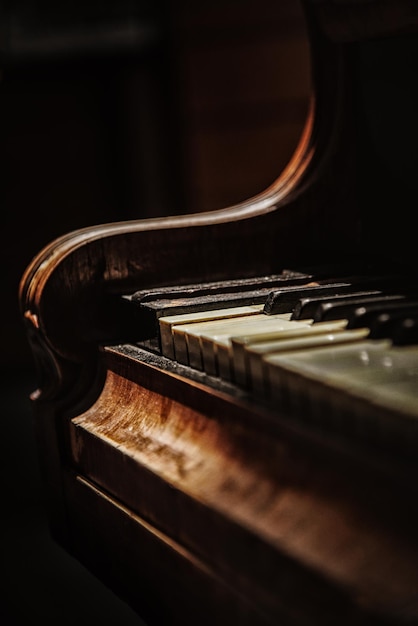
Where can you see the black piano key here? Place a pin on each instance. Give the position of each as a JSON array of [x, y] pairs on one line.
[[209, 296], [177, 300], [178, 306], [306, 307], [285, 300], [382, 325], [344, 309], [405, 332], [379, 317], [196, 290]]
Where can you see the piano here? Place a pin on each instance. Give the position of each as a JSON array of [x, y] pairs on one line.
[[236, 486]]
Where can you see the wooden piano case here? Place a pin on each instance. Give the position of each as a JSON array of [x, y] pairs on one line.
[[193, 502]]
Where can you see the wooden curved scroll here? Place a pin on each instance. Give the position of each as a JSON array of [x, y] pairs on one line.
[[69, 293]]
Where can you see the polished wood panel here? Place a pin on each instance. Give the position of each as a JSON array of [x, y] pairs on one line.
[[271, 511]]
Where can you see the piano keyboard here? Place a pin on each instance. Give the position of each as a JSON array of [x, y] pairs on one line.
[[341, 353], [369, 389]]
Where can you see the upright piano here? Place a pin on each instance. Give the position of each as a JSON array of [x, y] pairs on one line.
[[211, 470]]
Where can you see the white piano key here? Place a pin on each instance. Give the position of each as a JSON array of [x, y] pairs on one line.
[[218, 337], [216, 356], [167, 322], [239, 344], [187, 337], [258, 367], [368, 389]]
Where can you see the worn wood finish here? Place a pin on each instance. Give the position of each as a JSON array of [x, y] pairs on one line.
[[167, 487], [231, 483]]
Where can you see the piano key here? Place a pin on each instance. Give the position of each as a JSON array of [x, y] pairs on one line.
[[240, 343], [176, 306], [286, 277], [405, 331], [231, 351], [187, 346], [216, 344], [188, 337], [334, 309], [282, 300], [306, 307], [258, 375], [389, 325], [166, 323], [161, 301], [182, 350], [287, 298], [173, 306], [381, 317], [223, 294], [368, 390]]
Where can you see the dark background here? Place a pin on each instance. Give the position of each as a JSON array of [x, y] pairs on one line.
[[112, 111]]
